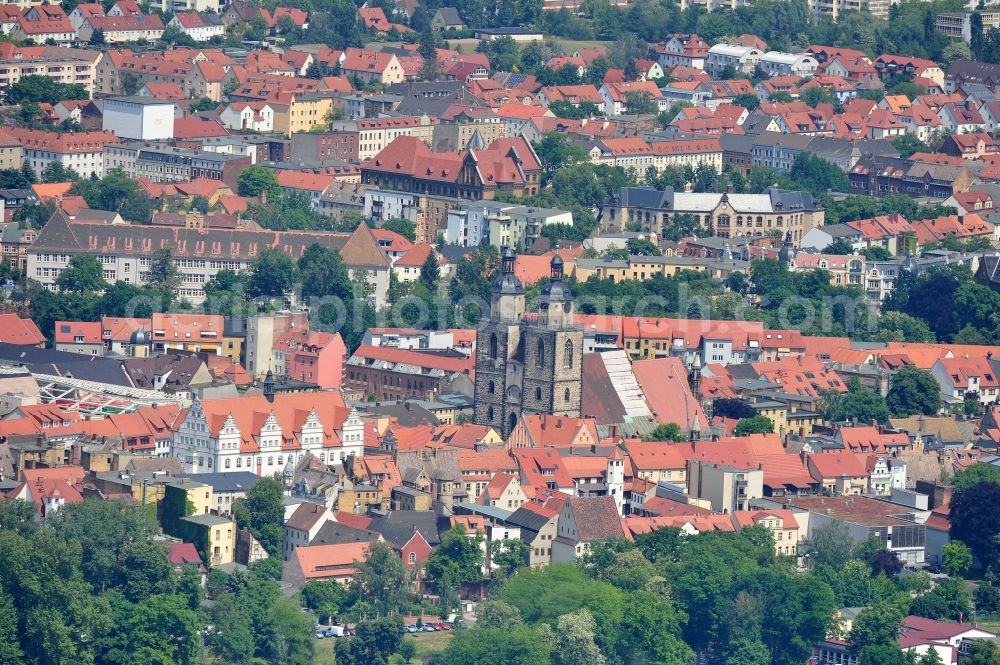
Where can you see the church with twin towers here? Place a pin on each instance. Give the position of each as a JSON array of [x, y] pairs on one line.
[[527, 362]]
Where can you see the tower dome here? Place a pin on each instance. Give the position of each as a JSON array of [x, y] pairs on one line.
[[787, 252]]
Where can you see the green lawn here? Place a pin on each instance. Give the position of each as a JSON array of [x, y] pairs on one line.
[[570, 45], [428, 644]]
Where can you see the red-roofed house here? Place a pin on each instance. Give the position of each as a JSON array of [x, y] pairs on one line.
[[311, 357], [782, 524], [503, 491], [326, 563], [582, 522], [840, 473], [965, 377], [23, 332], [79, 337], [540, 430], [266, 435], [52, 488]]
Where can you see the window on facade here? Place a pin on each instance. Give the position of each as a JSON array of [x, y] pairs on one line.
[[538, 394], [493, 347], [412, 558], [568, 354], [540, 359]]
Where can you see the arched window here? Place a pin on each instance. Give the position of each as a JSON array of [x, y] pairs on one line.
[[493, 388], [489, 413], [538, 394], [566, 395], [493, 346], [540, 356], [513, 421], [568, 354]]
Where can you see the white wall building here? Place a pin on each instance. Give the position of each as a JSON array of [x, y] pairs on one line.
[[139, 118], [776, 63], [741, 58], [266, 438]]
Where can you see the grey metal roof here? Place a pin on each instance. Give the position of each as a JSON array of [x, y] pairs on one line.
[[397, 526], [236, 481]]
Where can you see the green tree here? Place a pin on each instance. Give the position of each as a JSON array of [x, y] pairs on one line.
[[575, 640], [10, 647], [458, 559], [947, 601], [982, 652], [857, 405], [667, 432], [913, 391], [972, 525], [975, 474], [495, 613], [163, 275], [54, 171], [430, 272], [907, 144], [325, 599], [272, 273], [877, 625], [374, 642], [145, 571], [291, 634], [403, 227], [83, 274], [830, 545], [521, 645], [651, 631], [116, 192], [957, 558], [509, 555], [747, 100], [754, 425], [256, 179], [382, 580], [262, 512], [40, 89], [555, 151]]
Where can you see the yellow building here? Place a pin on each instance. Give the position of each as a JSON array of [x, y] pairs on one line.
[[214, 536], [302, 113], [640, 268]]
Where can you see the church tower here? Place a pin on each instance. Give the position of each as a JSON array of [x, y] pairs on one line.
[[527, 366]]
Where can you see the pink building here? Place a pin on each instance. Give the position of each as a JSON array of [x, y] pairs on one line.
[[310, 356]]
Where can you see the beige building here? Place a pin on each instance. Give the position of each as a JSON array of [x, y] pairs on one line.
[[774, 213], [834, 8], [64, 65], [375, 134], [303, 112], [782, 524], [641, 268], [471, 128], [728, 489]]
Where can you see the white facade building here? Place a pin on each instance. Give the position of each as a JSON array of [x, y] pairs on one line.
[[139, 118], [776, 63], [741, 58], [265, 437]]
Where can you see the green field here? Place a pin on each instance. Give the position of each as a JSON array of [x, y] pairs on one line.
[[428, 644], [570, 45]]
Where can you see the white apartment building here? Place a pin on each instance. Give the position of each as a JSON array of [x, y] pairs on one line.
[[741, 58], [776, 63]]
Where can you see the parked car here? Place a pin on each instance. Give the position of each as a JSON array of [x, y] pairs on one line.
[[935, 568], [320, 634], [445, 626], [411, 628]]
